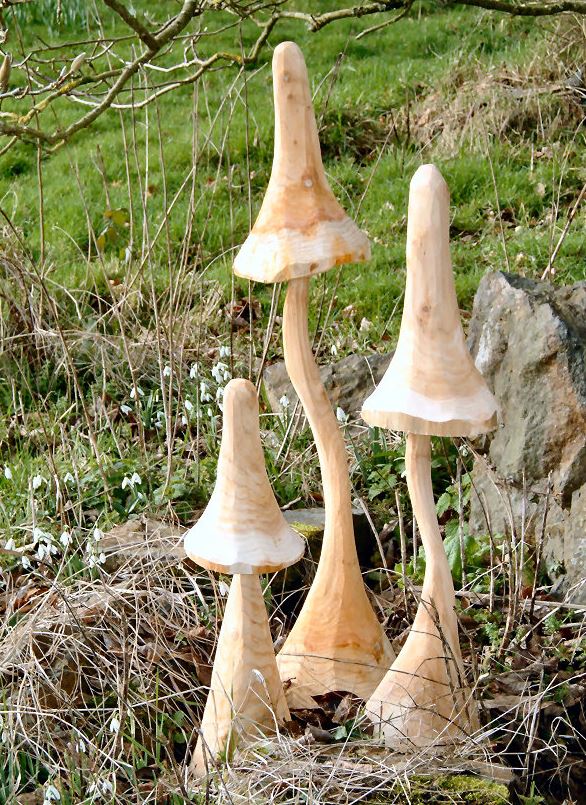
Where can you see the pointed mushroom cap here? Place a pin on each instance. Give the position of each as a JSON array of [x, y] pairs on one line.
[[242, 529], [301, 229], [432, 386]]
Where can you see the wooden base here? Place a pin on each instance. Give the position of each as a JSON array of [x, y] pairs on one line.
[[246, 699], [423, 699], [337, 642]]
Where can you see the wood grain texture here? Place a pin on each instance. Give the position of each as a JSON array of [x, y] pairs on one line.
[[246, 699], [432, 385], [301, 230], [337, 643], [423, 699], [242, 529]]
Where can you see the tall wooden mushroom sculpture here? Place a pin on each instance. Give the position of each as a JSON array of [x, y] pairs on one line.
[[242, 531], [337, 643], [430, 388]]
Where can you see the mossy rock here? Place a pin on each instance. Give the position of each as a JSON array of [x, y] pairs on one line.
[[456, 789]]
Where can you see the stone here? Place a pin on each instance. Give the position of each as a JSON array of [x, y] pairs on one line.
[[348, 381], [144, 539], [528, 339]]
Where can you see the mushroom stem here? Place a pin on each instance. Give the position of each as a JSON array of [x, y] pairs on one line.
[[337, 642], [423, 698], [246, 698]]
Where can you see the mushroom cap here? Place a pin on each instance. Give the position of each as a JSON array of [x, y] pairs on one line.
[[242, 529], [301, 230], [432, 386]]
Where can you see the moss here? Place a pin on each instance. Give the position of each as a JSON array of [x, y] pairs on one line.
[[307, 530], [460, 789]]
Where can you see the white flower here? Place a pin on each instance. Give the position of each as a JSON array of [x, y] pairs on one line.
[[52, 794], [80, 746], [133, 391], [334, 349], [220, 372], [184, 420], [365, 325], [25, 562], [126, 409], [65, 539], [225, 352], [203, 391], [115, 724], [167, 371], [219, 393], [210, 414], [7, 472], [37, 481], [10, 545], [92, 561], [341, 415], [98, 534], [135, 479], [284, 401], [68, 478], [188, 405], [102, 558], [223, 588], [42, 552], [193, 372]]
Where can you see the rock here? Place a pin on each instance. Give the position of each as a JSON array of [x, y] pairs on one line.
[[348, 382], [529, 341], [141, 540]]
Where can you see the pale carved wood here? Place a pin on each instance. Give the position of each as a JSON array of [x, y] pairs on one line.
[[246, 700], [430, 387], [337, 643], [424, 698], [242, 529], [301, 230]]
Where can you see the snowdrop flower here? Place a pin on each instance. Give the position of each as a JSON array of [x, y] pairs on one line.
[[134, 390], [219, 371], [126, 409], [51, 795], [10, 545], [98, 534], [210, 414], [115, 724], [37, 481], [203, 391], [341, 415], [188, 405], [193, 372], [65, 539], [68, 478], [223, 588], [135, 479], [284, 401], [80, 746], [225, 352], [334, 350], [42, 552], [167, 371], [102, 558], [219, 393], [7, 472], [25, 562], [463, 449], [184, 420]]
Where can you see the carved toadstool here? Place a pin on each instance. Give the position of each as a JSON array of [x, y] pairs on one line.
[[242, 531], [431, 387], [337, 642]]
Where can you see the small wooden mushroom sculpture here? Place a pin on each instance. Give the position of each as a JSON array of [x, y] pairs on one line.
[[337, 643], [430, 388], [242, 531]]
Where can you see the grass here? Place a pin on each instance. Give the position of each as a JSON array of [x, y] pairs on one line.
[[116, 345]]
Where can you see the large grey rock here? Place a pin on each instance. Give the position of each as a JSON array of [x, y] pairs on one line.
[[348, 382], [529, 341]]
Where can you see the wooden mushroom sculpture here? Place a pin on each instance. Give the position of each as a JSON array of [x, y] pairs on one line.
[[242, 531], [337, 643], [431, 387]]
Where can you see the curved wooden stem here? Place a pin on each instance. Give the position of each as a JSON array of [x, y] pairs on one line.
[[423, 699], [337, 643]]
